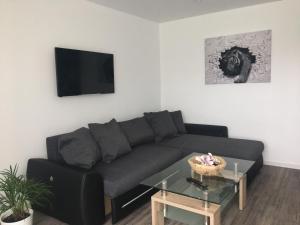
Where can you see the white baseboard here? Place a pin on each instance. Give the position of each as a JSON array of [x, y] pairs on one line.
[[286, 165]]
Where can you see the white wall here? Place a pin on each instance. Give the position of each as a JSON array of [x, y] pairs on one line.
[[30, 108], [31, 111], [268, 111]]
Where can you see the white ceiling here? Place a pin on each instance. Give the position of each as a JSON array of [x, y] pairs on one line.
[[166, 10]]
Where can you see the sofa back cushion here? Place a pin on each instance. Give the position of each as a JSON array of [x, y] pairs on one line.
[[137, 131], [79, 149], [110, 139], [52, 149], [162, 124], [178, 121]]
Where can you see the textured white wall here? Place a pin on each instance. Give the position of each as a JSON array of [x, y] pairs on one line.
[[30, 108], [267, 111]]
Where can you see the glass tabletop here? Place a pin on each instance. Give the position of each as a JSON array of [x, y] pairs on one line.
[[215, 189]]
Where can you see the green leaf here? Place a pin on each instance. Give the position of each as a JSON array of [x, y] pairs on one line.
[[18, 193]]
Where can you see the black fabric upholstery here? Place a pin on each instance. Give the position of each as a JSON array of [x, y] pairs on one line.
[[78, 194], [208, 130], [137, 131], [143, 161], [110, 139], [128, 171], [230, 147], [78, 148], [178, 121], [162, 124]]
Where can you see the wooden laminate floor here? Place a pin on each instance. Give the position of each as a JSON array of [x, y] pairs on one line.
[[273, 199]]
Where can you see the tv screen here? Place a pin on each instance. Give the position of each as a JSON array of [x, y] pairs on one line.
[[81, 72]]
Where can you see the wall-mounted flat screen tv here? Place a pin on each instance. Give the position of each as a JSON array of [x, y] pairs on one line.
[[82, 72]]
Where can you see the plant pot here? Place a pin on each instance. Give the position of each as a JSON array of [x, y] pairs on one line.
[[27, 221]]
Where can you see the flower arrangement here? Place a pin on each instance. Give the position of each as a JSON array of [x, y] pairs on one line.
[[208, 160]]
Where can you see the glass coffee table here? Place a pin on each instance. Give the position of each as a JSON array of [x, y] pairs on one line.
[[184, 195]]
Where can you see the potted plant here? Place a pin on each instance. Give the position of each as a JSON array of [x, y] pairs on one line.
[[17, 195]]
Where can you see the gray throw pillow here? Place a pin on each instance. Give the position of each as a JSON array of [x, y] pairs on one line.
[[162, 124], [137, 131], [111, 140], [78, 148], [178, 121]]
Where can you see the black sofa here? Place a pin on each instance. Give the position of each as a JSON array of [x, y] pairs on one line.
[[79, 193]]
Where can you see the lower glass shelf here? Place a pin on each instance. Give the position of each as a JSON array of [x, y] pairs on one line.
[[190, 218]]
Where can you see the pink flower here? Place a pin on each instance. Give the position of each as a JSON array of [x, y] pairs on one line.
[[206, 159]]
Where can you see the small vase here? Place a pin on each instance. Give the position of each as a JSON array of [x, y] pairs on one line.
[[27, 221]]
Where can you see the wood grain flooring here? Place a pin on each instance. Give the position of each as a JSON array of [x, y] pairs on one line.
[[273, 199]]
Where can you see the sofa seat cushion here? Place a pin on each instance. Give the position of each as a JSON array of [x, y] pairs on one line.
[[129, 170], [230, 147]]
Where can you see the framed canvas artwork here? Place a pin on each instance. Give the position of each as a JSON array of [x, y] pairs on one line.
[[240, 58]]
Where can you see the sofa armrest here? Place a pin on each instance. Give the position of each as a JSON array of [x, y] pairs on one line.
[[208, 130], [78, 194]]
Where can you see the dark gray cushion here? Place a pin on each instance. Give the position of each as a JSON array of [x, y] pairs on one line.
[[137, 131], [230, 147], [128, 171], [78, 148], [111, 140], [178, 121], [52, 149], [162, 124]]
